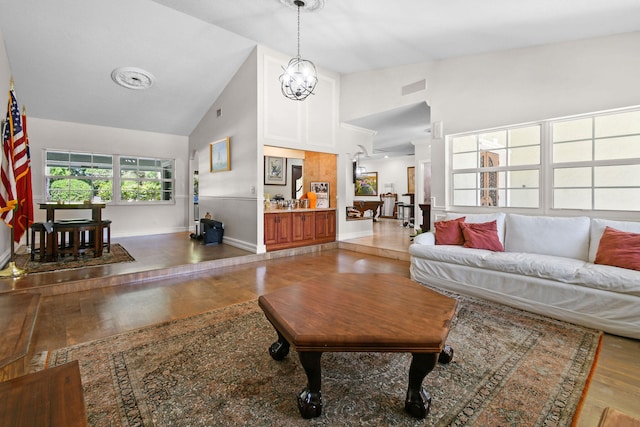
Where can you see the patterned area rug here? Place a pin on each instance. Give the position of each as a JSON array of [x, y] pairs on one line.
[[117, 254], [510, 368]]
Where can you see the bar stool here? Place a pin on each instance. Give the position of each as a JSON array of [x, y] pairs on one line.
[[38, 227]]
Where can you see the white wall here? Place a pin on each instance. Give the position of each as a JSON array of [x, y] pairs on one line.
[[129, 219], [505, 88], [5, 78], [232, 196]]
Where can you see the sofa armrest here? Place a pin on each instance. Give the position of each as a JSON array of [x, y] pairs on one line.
[[426, 238]]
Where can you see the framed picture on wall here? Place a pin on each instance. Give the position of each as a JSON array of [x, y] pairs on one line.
[[275, 170], [322, 193], [219, 156], [367, 184], [411, 179]]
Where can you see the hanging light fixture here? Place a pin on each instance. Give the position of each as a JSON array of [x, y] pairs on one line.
[[299, 78]]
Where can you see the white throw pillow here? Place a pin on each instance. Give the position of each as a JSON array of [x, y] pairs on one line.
[[498, 217], [598, 226], [547, 235]]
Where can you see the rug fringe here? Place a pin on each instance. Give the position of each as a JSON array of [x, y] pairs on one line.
[[583, 397]]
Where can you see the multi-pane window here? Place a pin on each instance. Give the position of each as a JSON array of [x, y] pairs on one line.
[[145, 179], [497, 168], [78, 177], [596, 162], [588, 162]]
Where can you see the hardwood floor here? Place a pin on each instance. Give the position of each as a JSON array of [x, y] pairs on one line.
[[70, 318]]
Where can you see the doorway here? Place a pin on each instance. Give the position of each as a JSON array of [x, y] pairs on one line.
[[296, 177]]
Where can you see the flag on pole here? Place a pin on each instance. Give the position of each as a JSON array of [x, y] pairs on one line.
[[12, 132], [24, 192]]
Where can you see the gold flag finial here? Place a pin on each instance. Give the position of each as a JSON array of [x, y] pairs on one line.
[[24, 110], [11, 83]]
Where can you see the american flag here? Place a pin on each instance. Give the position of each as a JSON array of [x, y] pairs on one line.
[[13, 137], [22, 172]]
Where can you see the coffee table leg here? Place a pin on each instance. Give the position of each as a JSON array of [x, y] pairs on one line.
[[310, 399], [279, 349], [418, 400]]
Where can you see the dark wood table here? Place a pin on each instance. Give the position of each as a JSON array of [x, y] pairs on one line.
[[361, 312], [51, 397], [96, 216]]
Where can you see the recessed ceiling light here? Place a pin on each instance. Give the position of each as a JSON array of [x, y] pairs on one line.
[[133, 78]]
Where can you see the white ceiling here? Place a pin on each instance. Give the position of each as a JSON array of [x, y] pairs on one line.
[[62, 52]]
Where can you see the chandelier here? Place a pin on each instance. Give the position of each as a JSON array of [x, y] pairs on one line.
[[299, 78]]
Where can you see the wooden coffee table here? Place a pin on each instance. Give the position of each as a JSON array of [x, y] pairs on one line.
[[361, 312]]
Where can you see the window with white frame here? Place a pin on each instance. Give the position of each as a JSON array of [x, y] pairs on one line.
[[78, 177], [145, 179], [499, 168], [596, 162], [589, 162]]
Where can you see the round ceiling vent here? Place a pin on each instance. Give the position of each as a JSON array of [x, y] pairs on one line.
[[306, 6], [133, 78]]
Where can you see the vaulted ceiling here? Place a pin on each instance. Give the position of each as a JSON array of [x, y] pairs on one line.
[[62, 52]]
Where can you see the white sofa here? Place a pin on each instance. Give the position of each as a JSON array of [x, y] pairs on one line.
[[547, 268]]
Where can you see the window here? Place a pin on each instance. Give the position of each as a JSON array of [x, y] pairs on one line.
[[77, 177], [497, 168], [144, 179], [588, 162], [596, 162]]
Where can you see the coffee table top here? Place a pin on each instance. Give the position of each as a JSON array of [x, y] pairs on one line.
[[360, 312]]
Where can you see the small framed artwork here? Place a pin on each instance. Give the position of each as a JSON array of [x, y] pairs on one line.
[[322, 193], [411, 179], [367, 184], [219, 156], [275, 170]]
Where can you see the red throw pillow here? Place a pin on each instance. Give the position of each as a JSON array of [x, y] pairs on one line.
[[619, 249], [448, 232], [481, 236]]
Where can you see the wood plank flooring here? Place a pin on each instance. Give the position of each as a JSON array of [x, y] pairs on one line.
[[76, 317]]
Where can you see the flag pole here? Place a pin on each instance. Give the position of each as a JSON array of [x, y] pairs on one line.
[[11, 270]]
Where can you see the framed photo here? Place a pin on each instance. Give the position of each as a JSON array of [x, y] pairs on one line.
[[275, 170], [322, 192], [367, 184], [411, 179], [219, 156]]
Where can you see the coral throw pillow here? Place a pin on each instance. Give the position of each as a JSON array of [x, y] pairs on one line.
[[619, 249], [449, 232], [482, 235]]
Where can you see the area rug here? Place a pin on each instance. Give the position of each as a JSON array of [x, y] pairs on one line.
[[510, 368], [116, 255]]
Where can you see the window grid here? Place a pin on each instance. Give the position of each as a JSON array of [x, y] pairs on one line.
[[594, 167], [574, 188], [497, 178], [80, 177]]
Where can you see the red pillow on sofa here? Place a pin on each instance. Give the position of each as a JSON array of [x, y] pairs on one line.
[[482, 235], [619, 249], [449, 232]]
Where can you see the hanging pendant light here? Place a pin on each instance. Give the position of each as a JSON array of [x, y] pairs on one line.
[[299, 78]]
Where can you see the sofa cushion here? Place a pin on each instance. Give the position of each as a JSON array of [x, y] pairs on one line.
[[535, 265], [449, 232], [619, 249], [560, 236], [498, 217], [482, 235], [451, 254], [608, 278], [598, 226]]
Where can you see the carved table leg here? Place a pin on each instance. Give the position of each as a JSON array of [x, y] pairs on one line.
[[310, 399], [279, 349], [418, 400], [446, 355]]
